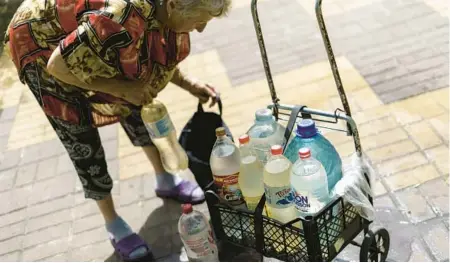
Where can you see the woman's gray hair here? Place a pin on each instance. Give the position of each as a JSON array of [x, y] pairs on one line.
[[191, 8]]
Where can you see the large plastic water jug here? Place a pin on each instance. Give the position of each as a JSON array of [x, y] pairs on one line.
[[265, 133], [308, 136]]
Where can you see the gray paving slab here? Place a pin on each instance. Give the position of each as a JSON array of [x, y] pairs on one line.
[[399, 47], [376, 38]]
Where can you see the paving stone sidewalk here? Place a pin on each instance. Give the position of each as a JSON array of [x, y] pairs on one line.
[[393, 57]]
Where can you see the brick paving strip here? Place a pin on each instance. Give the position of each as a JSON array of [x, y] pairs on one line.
[[393, 57]]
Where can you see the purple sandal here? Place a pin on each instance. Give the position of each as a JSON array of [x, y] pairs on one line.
[[126, 245], [182, 193]]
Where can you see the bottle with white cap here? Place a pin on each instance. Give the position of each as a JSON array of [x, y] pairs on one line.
[[264, 133]]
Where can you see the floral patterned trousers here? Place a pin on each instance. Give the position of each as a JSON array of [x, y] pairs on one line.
[[82, 141]]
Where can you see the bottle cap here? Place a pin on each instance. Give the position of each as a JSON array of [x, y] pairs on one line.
[[276, 150], [186, 208], [306, 128], [263, 115], [220, 132], [304, 153], [244, 139]]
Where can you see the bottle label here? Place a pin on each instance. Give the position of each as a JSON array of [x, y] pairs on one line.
[[279, 197], [193, 224], [201, 246], [301, 201], [160, 128], [228, 188]]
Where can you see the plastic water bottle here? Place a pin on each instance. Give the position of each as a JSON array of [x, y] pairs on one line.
[[277, 186], [196, 235], [309, 183], [264, 133], [321, 149], [279, 195], [163, 134], [251, 174], [225, 164]]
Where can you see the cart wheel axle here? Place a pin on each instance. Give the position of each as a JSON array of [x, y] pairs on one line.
[[375, 246]]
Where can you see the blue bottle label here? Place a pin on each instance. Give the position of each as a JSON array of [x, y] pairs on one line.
[[301, 201], [160, 128], [279, 197]]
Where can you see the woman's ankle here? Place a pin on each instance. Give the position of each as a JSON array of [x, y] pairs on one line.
[[107, 209]]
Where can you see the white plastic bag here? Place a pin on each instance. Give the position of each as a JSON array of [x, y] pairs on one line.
[[353, 186]]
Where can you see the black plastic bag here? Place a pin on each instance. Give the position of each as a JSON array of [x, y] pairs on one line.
[[198, 137]]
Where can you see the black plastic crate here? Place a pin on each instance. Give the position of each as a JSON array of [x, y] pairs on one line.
[[320, 238]]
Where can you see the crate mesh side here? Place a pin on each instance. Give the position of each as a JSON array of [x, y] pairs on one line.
[[331, 224], [283, 242], [288, 243], [239, 227]]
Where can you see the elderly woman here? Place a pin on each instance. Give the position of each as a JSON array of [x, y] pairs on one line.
[[91, 63]]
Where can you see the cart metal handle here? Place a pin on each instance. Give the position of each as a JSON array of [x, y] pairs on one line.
[[329, 50], [335, 115], [265, 59], [331, 58]]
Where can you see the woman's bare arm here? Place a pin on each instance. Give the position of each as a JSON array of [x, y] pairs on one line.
[[202, 91], [132, 91], [181, 80]]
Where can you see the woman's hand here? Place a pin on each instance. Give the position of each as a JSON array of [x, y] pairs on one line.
[[204, 92], [200, 90]]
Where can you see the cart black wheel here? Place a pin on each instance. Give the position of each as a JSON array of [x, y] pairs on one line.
[[375, 246]]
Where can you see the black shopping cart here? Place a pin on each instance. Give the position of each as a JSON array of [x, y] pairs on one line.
[[322, 236]]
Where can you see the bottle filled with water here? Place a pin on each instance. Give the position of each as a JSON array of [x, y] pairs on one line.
[[251, 174], [225, 162], [279, 195], [164, 136], [196, 235], [264, 133], [321, 149], [309, 183]]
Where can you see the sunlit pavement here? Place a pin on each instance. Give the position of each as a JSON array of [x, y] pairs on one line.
[[393, 59]]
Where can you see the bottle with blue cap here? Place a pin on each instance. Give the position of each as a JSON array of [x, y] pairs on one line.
[[265, 133], [308, 136]]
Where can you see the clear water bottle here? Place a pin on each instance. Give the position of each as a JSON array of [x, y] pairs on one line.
[[277, 186], [164, 136], [251, 174], [196, 235], [309, 184], [264, 133], [279, 195], [321, 149], [225, 164]]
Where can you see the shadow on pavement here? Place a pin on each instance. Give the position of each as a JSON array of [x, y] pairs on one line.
[[160, 232]]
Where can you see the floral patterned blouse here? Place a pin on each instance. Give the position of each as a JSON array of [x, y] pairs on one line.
[[97, 38]]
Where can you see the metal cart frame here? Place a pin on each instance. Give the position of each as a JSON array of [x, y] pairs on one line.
[[323, 235]]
